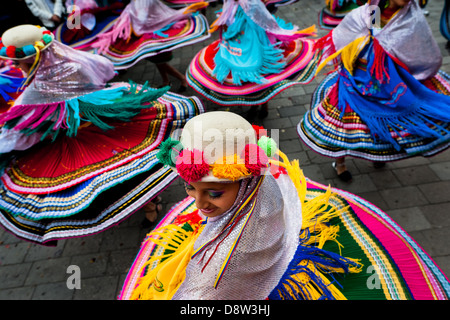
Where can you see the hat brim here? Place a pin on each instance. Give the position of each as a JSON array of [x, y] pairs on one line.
[[26, 57]]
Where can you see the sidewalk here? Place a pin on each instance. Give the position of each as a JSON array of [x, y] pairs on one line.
[[414, 192]]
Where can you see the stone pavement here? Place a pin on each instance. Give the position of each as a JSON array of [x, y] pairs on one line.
[[414, 192]]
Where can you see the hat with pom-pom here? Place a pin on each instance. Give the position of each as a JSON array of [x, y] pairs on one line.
[[24, 41], [216, 146]]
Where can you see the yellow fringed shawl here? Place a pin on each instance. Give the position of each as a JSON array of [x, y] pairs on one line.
[[164, 279]]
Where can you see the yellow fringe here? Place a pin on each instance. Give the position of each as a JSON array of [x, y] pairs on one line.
[[163, 281], [230, 167], [316, 213], [349, 54], [294, 172], [312, 30], [314, 292], [195, 7]]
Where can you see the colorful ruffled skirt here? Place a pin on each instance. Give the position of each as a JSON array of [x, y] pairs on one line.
[[301, 63], [331, 133], [329, 19], [126, 53], [82, 185], [393, 265], [81, 38]]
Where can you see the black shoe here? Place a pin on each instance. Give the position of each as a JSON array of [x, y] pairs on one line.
[[345, 176], [181, 89]]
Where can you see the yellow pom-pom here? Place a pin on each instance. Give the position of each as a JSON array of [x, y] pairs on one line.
[[230, 167], [39, 44]]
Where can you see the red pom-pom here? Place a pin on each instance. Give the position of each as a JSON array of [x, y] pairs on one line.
[[260, 131], [46, 32], [255, 159], [192, 218], [11, 51], [276, 171], [191, 165]]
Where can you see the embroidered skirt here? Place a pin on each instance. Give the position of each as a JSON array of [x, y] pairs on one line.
[[325, 130], [82, 185], [126, 53], [301, 63], [81, 38]]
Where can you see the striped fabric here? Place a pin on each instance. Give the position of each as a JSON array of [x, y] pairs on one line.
[[126, 53], [301, 63], [112, 205], [101, 26], [331, 134], [43, 208], [148, 248], [394, 266], [94, 151]]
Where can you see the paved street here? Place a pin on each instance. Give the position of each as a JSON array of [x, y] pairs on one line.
[[414, 192]]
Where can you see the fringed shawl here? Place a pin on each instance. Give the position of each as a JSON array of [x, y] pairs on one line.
[[380, 73], [407, 37], [250, 46]]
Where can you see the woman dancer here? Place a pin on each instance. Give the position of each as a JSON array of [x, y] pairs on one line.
[[253, 227], [388, 100], [79, 152], [257, 56]]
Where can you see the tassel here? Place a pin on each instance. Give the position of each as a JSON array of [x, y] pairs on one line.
[[308, 32], [379, 69], [121, 29], [294, 172], [305, 277], [195, 7], [177, 243], [325, 44], [348, 54]]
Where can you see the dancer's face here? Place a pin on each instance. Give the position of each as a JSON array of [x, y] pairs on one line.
[[213, 198]]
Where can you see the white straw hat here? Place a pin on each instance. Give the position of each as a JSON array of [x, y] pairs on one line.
[[24, 41], [215, 146]]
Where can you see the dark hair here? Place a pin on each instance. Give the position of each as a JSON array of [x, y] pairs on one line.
[[382, 4]]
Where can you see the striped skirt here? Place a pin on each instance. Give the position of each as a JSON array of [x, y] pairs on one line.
[[82, 41], [394, 267], [126, 53], [325, 130], [301, 63], [79, 186]]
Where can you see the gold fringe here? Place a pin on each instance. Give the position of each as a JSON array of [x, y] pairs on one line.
[[349, 54], [316, 214], [195, 7], [181, 242]]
